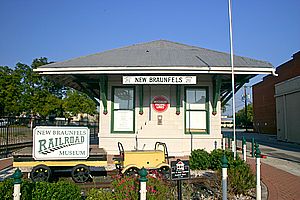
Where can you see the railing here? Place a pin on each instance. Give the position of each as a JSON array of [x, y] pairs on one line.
[[16, 132]]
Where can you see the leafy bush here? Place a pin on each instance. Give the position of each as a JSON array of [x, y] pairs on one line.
[[41, 190], [60, 190], [6, 189], [157, 189], [127, 188], [199, 159], [100, 194], [216, 156], [240, 177], [26, 190]]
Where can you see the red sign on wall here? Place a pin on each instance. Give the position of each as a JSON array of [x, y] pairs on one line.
[[160, 103]]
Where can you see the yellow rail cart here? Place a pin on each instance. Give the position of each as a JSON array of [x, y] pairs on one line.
[[129, 162], [43, 170]]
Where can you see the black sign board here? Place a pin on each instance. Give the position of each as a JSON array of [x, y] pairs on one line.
[[180, 170]]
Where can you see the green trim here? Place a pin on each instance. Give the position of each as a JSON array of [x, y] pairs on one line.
[[112, 109], [141, 99], [217, 83], [178, 98], [103, 92], [206, 109]]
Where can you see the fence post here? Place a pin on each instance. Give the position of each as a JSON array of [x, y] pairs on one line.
[[258, 186], [252, 147], [224, 176], [143, 183], [7, 140], [244, 149], [17, 184]]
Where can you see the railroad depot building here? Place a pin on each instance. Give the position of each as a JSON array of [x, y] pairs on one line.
[[157, 91]]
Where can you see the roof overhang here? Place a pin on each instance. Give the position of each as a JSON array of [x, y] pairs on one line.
[[151, 70], [153, 58]]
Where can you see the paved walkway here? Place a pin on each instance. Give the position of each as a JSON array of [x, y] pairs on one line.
[[281, 185], [5, 162]]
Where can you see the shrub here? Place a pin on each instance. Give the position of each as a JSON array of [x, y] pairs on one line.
[[100, 194], [199, 159], [61, 191], [26, 189], [158, 189], [240, 177], [216, 156], [41, 190], [127, 188], [6, 189]]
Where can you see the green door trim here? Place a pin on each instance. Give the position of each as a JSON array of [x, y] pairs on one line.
[[112, 109]]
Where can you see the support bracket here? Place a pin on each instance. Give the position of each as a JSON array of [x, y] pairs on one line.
[[103, 92], [217, 83]]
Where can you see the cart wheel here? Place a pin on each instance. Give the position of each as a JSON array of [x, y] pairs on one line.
[[165, 172], [80, 173], [40, 173], [133, 171]]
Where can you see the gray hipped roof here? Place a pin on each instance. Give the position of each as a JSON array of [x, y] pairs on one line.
[[157, 55]]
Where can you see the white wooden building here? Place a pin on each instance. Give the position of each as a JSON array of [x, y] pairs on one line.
[[157, 91]]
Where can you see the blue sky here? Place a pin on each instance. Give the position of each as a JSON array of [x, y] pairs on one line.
[[59, 30]]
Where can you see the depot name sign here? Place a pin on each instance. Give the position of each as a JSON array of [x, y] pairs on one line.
[[59, 143], [187, 80]]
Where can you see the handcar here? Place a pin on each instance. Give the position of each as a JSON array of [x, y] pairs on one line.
[[130, 162]]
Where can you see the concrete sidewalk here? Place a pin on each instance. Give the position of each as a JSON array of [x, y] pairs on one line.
[[281, 185]]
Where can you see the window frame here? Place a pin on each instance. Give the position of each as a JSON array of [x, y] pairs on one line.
[[113, 109], [206, 88]]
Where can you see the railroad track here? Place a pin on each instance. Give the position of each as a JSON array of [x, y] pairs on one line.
[[8, 149]]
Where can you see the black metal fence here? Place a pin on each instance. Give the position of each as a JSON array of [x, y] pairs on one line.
[[16, 132]]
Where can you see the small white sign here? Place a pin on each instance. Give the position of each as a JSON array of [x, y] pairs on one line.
[[123, 120], [60, 143], [167, 80]]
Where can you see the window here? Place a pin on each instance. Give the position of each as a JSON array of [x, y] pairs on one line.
[[123, 109], [196, 110]]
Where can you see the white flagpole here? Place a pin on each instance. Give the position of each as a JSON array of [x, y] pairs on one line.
[[232, 77]]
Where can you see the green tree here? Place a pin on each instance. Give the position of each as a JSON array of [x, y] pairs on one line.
[[241, 119], [39, 95], [10, 91], [77, 102], [24, 91]]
